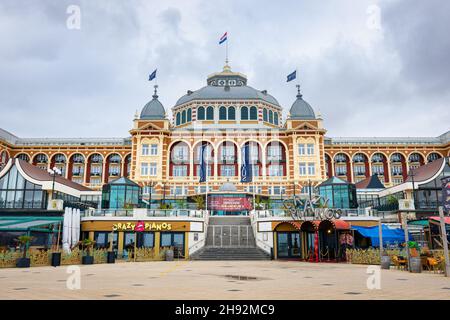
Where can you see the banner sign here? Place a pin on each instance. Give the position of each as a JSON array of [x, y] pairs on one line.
[[446, 194], [141, 226], [229, 203]]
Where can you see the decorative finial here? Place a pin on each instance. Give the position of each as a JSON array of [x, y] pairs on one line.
[[299, 95], [136, 115], [155, 95]]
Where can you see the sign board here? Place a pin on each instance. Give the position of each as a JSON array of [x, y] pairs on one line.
[[141, 226], [405, 204], [55, 204], [229, 203], [446, 194]]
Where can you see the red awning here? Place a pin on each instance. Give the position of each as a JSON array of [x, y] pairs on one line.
[[438, 219], [295, 224], [341, 224]]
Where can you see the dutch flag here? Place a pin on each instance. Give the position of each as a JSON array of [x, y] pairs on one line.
[[223, 38]]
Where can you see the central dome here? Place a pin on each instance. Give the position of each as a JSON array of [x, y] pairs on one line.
[[227, 85]]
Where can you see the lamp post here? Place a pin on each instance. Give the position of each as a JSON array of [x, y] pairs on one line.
[[150, 185], [53, 172]]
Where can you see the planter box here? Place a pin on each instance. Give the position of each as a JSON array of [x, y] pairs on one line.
[[23, 263], [87, 260], [385, 262], [111, 257], [56, 259], [169, 255], [416, 265]]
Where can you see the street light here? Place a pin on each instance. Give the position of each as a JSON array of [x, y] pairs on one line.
[[150, 185], [53, 172]]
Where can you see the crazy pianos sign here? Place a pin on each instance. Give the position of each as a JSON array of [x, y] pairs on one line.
[[142, 226]]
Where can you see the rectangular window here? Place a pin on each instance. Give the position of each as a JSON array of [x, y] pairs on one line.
[[301, 149], [255, 171], [144, 169], [277, 190], [227, 171], [275, 170], [311, 169], [310, 149], [153, 149], [180, 171], [177, 190], [302, 169], [152, 169], [274, 152], [145, 150]]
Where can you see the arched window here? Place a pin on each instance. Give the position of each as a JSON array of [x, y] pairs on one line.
[[200, 113], [189, 115], [178, 122], [183, 116], [270, 116], [244, 113], [231, 113], [210, 113], [265, 114], [223, 113], [253, 113], [275, 118]]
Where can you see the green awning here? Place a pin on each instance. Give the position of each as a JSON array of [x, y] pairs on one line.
[[31, 223], [424, 223]]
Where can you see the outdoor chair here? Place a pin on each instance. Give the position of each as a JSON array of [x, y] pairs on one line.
[[399, 262], [432, 263]]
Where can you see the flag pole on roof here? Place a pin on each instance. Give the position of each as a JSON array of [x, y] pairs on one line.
[[222, 40]]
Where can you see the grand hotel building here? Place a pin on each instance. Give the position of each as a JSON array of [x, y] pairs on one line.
[[287, 154]]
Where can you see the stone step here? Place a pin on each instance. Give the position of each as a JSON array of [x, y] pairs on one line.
[[213, 253]]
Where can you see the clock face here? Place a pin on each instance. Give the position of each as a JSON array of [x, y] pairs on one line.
[[222, 82], [232, 82]]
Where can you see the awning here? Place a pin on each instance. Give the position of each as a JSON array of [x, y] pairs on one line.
[[340, 224], [389, 235], [438, 219], [28, 223], [295, 224]]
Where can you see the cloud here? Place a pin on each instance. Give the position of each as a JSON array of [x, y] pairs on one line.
[[365, 82]]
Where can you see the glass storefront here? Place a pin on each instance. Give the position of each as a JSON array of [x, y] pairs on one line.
[[339, 193], [175, 240], [289, 244]]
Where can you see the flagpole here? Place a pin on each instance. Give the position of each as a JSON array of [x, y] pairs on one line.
[[226, 54]]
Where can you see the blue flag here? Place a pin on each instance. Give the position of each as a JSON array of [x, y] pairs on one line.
[[246, 168], [152, 75], [203, 168], [292, 76]]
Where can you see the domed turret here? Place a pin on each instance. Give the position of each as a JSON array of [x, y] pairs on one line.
[[153, 109], [301, 109]]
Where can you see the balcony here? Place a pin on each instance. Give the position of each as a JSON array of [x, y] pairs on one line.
[[77, 173], [96, 174], [228, 159]]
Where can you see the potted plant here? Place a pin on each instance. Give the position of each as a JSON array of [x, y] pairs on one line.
[[259, 204], [415, 263], [199, 202], [24, 241], [56, 254], [88, 258]]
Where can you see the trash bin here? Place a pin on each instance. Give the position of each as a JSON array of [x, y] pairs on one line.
[[385, 262], [56, 259], [416, 265], [111, 257], [169, 255]]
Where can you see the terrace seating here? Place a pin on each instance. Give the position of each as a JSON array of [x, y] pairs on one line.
[[399, 262]]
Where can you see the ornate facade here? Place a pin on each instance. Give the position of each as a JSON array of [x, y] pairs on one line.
[[286, 155]]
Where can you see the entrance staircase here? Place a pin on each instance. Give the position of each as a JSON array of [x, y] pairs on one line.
[[230, 238]]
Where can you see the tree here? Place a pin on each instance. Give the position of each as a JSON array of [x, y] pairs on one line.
[[23, 241]]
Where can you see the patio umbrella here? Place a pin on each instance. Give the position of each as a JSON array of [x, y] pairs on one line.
[[74, 226], [66, 231]]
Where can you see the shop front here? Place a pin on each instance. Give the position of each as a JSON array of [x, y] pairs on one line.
[[124, 237], [312, 240]]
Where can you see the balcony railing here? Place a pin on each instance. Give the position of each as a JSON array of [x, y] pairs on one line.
[[150, 213]]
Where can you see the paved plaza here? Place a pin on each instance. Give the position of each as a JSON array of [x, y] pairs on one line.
[[220, 280]]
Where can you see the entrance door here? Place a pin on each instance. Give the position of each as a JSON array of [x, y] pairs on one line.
[[288, 244]]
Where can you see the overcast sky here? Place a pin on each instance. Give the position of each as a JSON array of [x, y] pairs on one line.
[[371, 68]]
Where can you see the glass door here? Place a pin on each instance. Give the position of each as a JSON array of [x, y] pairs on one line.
[[288, 244]]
